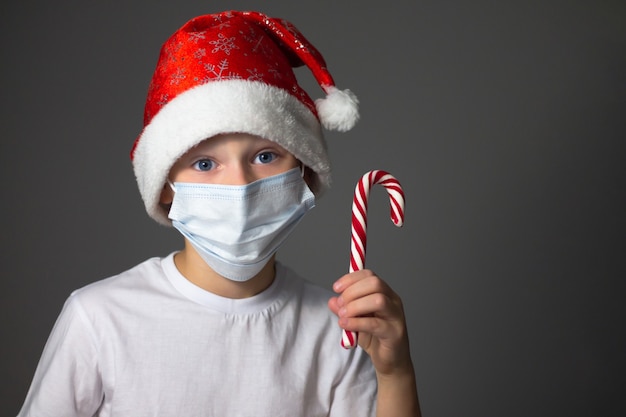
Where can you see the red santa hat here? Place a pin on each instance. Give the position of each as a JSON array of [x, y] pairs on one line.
[[232, 72]]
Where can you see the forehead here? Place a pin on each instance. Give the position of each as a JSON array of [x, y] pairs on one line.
[[235, 138], [233, 144]]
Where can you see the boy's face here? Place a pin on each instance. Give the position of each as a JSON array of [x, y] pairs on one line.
[[230, 159]]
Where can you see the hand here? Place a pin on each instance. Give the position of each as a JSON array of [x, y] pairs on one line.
[[367, 305]]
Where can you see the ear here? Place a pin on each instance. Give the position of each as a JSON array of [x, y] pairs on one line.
[[310, 178], [167, 195]]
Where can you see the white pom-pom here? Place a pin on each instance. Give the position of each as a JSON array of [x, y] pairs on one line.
[[339, 110]]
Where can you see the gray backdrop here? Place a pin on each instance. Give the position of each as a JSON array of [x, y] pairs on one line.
[[504, 121]]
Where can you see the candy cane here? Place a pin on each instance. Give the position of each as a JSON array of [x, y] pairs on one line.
[[359, 225]]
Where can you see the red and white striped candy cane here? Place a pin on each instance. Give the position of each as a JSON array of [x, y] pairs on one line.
[[359, 224]]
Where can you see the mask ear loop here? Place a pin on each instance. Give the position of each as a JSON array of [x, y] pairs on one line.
[[171, 184], [302, 168]]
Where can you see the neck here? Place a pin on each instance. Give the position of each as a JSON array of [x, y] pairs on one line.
[[194, 269]]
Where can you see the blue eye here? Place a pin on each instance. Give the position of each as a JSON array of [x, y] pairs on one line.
[[265, 157], [203, 165]]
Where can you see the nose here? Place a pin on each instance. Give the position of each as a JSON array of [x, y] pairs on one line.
[[241, 174]]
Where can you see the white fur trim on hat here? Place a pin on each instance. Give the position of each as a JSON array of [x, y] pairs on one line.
[[233, 106]]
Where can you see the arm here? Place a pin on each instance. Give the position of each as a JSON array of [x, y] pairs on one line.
[[67, 381], [366, 304]]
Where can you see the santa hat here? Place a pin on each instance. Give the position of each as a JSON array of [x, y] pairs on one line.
[[232, 72]]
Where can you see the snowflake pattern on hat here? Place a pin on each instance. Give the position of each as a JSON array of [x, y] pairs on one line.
[[209, 49]]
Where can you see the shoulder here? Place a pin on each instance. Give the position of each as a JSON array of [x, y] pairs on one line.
[[309, 291], [145, 280], [308, 300], [138, 275]]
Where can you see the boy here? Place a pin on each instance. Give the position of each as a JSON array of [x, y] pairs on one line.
[[232, 156]]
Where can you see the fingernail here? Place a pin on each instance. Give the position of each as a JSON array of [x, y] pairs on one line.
[[342, 312]]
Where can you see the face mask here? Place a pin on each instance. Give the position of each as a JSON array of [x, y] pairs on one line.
[[236, 229]]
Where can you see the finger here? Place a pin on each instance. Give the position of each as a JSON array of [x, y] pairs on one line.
[[391, 329], [367, 285], [349, 279], [374, 326], [377, 304], [333, 305]]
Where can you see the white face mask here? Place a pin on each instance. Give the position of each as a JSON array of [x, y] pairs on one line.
[[237, 228]]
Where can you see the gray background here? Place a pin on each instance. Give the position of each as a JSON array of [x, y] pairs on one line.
[[504, 121]]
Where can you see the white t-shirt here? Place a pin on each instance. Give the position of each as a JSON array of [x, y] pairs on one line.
[[148, 342]]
